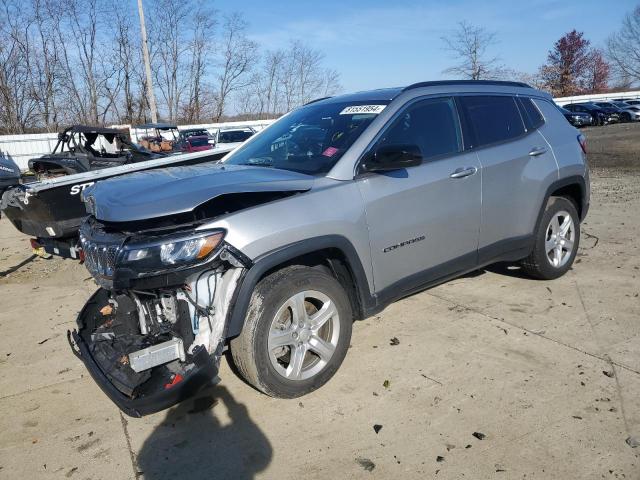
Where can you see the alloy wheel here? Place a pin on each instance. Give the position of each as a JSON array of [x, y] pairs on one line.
[[303, 335], [560, 238]]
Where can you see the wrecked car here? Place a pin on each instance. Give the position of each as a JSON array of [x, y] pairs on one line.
[[82, 149], [328, 215]]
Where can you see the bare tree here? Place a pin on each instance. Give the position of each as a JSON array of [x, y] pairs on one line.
[[44, 64], [17, 107], [469, 46], [168, 47], [623, 48], [239, 55], [202, 31]]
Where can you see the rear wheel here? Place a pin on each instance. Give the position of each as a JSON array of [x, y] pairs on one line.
[[556, 241], [296, 333]]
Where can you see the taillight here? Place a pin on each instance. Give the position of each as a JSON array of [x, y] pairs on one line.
[[582, 140]]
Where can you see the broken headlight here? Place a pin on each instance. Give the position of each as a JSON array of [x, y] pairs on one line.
[[171, 250]]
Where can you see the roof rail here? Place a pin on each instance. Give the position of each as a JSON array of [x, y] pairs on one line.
[[316, 100], [438, 83]]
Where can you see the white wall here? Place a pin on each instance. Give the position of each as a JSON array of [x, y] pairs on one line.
[[21, 148], [597, 97]]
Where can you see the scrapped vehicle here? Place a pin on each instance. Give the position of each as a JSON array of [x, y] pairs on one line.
[[158, 137], [577, 119], [328, 215], [9, 174], [81, 148], [51, 210]]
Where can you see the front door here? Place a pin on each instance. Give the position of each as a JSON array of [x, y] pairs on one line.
[[424, 220]]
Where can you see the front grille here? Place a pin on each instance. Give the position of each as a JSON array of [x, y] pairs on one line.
[[99, 258], [101, 250]]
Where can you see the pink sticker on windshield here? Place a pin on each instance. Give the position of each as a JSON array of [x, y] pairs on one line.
[[330, 152]]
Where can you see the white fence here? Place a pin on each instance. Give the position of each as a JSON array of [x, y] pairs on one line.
[[597, 97], [21, 148]]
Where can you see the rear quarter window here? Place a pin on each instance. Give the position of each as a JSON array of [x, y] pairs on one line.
[[530, 114], [490, 119]]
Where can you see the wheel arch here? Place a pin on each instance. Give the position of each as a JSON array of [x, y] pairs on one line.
[[574, 188], [334, 251]]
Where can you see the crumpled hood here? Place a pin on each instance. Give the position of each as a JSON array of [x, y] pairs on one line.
[[170, 191]]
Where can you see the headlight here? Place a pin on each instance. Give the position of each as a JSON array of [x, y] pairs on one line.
[[171, 250]]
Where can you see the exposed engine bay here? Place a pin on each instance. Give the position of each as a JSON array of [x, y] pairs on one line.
[[146, 341]]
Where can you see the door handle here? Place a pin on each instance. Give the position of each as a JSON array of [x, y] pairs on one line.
[[535, 151], [463, 172]]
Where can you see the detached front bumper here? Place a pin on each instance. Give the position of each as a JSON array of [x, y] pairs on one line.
[[204, 370]]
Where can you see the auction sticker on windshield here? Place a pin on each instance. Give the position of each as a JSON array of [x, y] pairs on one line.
[[354, 109]]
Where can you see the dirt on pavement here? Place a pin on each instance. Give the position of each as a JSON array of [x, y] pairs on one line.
[[492, 375]]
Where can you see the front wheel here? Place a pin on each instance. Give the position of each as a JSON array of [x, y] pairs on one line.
[[296, 333], [556, 241]]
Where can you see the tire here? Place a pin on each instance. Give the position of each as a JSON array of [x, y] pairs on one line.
[[625, 117], [271, 320], [546, 264]]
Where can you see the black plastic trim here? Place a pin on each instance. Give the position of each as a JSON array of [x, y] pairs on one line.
[[438, 83], [247, 283], [204, 371], [565, 182]]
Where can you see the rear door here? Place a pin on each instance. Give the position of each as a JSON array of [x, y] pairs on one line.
[[423, 221], [516, 162]]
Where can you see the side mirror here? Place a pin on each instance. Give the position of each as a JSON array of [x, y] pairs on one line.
[[392, 157]]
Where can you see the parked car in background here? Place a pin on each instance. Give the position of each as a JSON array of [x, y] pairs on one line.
[[194, 140], [195, 143], [601, 116], [316, 222], [626, 113], [577, 119], [628, 101], [82, 148], [233, 136]]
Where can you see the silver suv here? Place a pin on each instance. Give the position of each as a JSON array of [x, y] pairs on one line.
[[334, 211]]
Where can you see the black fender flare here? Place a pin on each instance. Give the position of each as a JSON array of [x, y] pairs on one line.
[[247, 282], [565, 182]]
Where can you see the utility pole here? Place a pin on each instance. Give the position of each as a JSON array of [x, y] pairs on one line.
[[147, 65]]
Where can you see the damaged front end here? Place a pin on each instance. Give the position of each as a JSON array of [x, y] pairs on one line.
[[153, 334]]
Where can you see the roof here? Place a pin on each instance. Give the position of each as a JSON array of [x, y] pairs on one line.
[[89, 129], [159, 126]]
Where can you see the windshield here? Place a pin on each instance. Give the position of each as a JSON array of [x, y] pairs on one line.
[[311, 139]]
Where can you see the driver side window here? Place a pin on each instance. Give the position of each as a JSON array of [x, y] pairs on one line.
[[430, 124]]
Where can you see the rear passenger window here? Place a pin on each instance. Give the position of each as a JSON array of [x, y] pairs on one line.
[[531, 115], [491, 119], [431, 124]]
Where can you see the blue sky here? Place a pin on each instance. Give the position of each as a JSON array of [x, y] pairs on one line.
[[378, 43]]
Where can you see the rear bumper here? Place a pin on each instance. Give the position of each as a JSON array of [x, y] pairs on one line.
[[205, 369]]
